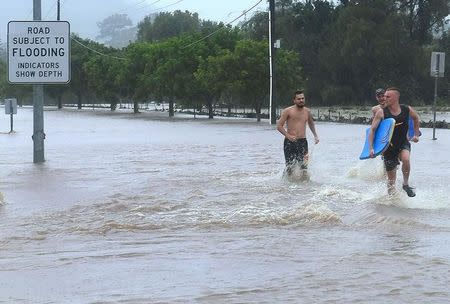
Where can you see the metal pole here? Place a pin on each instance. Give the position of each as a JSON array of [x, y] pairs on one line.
[[434, 108], [38, 105], [11, 119], [58, 15], [273, 112], [58, 18]]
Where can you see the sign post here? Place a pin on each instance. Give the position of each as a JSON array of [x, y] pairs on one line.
[[11, 109], [436, 71], [38, 54]]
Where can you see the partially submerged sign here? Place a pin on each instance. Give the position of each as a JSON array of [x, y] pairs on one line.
[[38, 52], [10, 106]]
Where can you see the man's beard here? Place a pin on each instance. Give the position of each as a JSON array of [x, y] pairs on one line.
[[300, 106]]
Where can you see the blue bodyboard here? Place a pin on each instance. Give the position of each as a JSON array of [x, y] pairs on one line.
[[382, 138], [411, 129]]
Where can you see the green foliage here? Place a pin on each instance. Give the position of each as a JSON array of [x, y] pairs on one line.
[[256, 28], [166, 25], [339, 54], [289, 76], [82, 82], [3, 81]]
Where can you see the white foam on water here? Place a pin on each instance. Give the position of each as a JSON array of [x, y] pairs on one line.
[[340, 193], [368, 170], [427, 199], [311, 213]]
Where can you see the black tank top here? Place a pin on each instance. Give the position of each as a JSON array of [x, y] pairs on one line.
[[401, 125]]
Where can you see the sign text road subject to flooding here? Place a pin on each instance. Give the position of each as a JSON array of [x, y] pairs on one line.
[[38, 52]]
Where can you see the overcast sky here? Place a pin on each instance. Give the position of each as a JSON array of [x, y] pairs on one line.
[[83, 15]]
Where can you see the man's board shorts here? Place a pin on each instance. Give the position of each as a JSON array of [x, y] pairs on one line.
[[295, 151], [390, 156]]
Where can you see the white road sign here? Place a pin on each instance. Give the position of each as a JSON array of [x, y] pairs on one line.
[[10, 106], [437, 64], [38, 52]]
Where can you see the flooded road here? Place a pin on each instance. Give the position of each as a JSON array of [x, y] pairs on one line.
[[145, 209]]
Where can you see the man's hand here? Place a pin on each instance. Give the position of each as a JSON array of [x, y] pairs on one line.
[[291, 137], [415, 139], [316, 140], [372, 153]]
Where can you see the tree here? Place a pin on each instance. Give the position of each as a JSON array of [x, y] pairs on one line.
[[289, 75], [423, 16], [117, 30], [81, 52], [250, 61], [2, 51], [103, 74], [166, 25], [3, 82], [216, 75], [257, 27]]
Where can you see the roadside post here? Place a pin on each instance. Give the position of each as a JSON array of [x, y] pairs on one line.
[[436, 71], [38, 54], [11, 109]]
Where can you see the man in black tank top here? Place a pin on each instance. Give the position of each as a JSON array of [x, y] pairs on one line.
[[399, 148]]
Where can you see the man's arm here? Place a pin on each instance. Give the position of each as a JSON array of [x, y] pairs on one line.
[[375, 110], [280, 125], [375, 122], [415, 117], [312, 127]]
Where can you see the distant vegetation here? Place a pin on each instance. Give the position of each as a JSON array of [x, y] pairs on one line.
[[338, 52]]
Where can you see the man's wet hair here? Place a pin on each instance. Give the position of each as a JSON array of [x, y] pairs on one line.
[[393, 89], [379, 91], [299, 92]]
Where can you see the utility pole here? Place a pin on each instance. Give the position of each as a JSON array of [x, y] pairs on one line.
[[272, 90], [38, 105]]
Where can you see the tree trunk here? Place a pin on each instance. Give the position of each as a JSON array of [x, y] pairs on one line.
[[113, 105], [171, 111], [136, 107], [210, 109], [258, 113], [59, 98], [79, 104]]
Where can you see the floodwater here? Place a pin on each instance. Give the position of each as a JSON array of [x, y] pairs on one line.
[[145, 209]]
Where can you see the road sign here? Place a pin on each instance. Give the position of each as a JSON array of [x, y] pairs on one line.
[[437, 64], [38, 52], [10, 106]]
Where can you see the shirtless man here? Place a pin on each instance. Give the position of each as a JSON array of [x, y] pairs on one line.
[[379, 95], [295, 144], [399, 148]]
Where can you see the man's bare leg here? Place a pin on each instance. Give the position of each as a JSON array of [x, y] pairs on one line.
[[392, 176]]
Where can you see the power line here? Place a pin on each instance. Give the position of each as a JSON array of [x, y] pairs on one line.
[[222, 27], [160, 8], [138, 5], [95, 51], [141, 7]]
